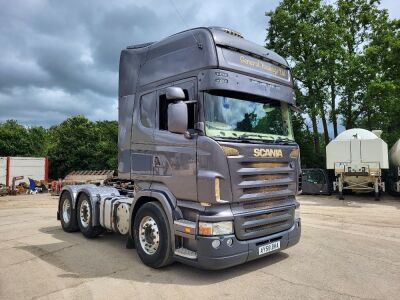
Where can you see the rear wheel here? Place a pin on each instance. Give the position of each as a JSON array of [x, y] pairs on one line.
[[67, 213], [152, 235], [84, 216]]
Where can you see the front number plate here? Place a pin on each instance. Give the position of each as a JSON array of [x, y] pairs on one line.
[[269, 247]]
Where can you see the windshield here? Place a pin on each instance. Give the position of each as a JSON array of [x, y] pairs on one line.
[[247, 118]]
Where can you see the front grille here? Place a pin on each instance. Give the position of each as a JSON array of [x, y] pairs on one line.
[[264, 195], [263, 223], [257, 180], [273, 202]]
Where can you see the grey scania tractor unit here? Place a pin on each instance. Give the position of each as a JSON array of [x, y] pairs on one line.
[[208, 167]]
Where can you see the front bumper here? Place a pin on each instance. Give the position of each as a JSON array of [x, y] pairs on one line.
[[240, 251]]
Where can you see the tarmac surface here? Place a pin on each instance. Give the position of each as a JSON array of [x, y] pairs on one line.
[[349, 250]]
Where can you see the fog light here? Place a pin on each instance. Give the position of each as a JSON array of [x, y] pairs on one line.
[[216, 244], [229, 242]]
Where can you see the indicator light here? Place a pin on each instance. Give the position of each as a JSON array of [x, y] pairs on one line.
[[230, 151]]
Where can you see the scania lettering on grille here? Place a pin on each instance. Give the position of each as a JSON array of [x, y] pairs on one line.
[[259, 152]]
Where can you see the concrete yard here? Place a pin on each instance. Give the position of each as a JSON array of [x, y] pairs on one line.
[[349, 249]]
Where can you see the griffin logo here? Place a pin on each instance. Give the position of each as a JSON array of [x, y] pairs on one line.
[[259, 152]]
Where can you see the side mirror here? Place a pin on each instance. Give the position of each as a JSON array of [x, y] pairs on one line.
[[177, 117], [174, 93]]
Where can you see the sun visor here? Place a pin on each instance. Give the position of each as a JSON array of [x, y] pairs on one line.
[[217, 79], [235, 60]]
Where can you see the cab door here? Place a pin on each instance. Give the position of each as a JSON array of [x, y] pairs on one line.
[[175, 155], [142, 143]]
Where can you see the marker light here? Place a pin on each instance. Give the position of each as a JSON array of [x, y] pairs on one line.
[[230, 151], [217, 190], [297, 213]]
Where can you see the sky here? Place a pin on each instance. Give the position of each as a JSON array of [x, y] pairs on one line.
[[60, 58]]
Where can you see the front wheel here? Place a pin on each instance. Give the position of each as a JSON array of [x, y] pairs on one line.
[[152, 235]]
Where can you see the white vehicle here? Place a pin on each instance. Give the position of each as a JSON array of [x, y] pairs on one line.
[[357, 157], [394, 174]]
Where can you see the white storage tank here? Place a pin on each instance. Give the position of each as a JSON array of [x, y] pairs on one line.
[[358, 156], [28, 167], [394, 174], [394, 154]]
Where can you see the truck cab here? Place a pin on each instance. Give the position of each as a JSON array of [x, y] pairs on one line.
[[206, 139]]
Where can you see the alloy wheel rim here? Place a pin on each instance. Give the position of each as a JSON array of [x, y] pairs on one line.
[[84, 213], [149, 235], [66, 211]]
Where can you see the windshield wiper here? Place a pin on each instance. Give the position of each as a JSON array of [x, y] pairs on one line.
[[259, 137], [232, 139], [284, 141]]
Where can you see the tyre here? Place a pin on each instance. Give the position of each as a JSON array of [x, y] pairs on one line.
[[84, 218], [67, 213], [152, 235]]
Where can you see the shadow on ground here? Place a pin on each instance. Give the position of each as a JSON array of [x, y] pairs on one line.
[[106, 256]]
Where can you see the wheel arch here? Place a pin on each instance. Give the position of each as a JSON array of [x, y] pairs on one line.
[[59, 209], [93, 192], [146, 196]]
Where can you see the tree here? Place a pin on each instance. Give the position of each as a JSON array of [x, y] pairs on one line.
[[107, 146], [331, 56], [38, 140], [380, 107], [14, 139], [356, 18], [73, 146], [345, 60], [296, 31]]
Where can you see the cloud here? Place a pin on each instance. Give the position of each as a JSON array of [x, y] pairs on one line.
[[60, 58]]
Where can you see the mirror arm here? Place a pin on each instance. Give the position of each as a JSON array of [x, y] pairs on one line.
[[199, 127], [188, 135]]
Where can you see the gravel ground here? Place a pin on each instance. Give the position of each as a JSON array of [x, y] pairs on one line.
[[349, 249]]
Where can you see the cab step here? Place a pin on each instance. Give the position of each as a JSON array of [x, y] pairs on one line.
[[186, 253]]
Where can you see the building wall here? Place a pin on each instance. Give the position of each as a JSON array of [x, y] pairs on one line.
[[29, 167], [3, 173]]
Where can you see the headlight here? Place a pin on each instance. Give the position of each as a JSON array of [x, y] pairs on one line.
[[218, 228], [297, 213]]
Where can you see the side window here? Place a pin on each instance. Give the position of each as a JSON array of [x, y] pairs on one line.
[[148, 110], [163, 112]]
